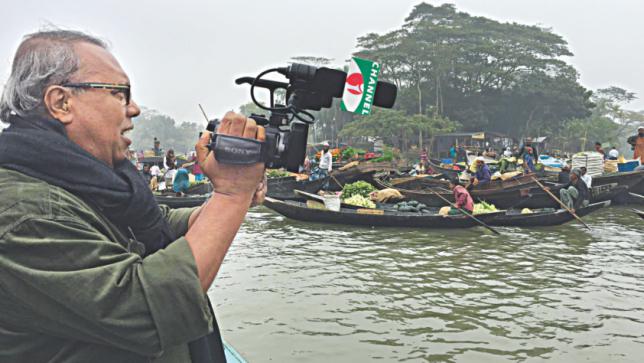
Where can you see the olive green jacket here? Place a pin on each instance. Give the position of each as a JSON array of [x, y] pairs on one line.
[[71, 290]]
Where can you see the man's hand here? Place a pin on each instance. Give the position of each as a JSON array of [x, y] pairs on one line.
[[235, 180]]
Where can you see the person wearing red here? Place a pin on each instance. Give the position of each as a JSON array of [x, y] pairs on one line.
[[462, 198]]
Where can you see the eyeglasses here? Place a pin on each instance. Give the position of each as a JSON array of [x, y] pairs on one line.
[[123, 89]]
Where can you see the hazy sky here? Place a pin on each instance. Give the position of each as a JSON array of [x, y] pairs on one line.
[[181, 53]]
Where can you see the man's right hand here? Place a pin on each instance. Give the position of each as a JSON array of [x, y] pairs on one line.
[[235, 180]]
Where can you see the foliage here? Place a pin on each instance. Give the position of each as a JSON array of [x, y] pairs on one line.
[[504, 77], [396, 127], [276, 173], [250, 108], [152, 123], [360, 187]]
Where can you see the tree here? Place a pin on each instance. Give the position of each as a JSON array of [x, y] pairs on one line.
[[504, 77], [151, 123]]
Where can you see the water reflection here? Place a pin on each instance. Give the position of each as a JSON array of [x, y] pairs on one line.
[[294, 291]]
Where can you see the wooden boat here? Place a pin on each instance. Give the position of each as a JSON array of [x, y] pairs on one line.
[[503, 194], [537, 198], [282, 188], [639, 213], [630, 179], [362, 171], [540, 218], [181, 202], [371, 217], [450, 173]]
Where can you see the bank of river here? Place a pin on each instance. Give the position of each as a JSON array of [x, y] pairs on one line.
[[298, 292]]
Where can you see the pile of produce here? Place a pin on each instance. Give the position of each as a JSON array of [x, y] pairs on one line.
[[358, 194], [360, 201], [483, 207], [360, 187], [276, 173], [387, 155], [411, 206], [350, 153]]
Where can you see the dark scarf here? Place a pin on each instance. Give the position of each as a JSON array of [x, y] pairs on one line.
[[40, 148]]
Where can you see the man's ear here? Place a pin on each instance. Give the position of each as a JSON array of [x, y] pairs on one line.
[[58, 103]]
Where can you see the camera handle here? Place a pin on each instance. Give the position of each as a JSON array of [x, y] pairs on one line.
[[237, 150]]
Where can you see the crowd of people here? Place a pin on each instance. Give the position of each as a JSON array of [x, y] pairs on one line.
[[577, 182]]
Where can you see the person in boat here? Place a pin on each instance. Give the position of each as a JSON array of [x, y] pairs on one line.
[[147, 176], [564, 175], [575, 194], [452, 153], [158, 151], [586, 177], [527, 143], [599, 149], [181, 181], [93, 270], [613, 154], [507, 162], [462, 198], [483, 175], [424, 160], [528, 161], [170, 160], [461, 155]]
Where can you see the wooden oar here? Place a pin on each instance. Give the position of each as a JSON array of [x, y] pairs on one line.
[[637, 196], [466, 213], [560, 202]]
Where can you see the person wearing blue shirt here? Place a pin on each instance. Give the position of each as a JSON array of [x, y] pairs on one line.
[[483, 174], [528, 161]]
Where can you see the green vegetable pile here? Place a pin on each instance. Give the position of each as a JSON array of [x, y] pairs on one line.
[[387, 155], [276, 173], [483, 207], [350, 152], [360, 187], [411, 206], [360, 201]]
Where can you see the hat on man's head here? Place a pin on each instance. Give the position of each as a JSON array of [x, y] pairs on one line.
[[480, 158], [640, 128], [576, 171], [326, 143]]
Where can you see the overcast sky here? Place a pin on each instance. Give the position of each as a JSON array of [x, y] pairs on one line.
[[181, 53]]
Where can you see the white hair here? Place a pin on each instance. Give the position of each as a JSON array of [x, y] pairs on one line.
[[43, 59]]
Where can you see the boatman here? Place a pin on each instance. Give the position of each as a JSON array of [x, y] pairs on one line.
[[326, 159], [483, 175], [93, 270], [575, 194], [462, 198]]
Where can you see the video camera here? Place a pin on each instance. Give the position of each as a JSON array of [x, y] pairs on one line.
[[287, 126]]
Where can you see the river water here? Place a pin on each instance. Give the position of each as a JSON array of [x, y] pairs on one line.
[[301, 292]]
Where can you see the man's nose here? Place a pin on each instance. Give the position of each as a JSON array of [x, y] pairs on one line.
[[133, 109]]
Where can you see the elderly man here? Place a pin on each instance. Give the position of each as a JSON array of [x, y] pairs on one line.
[[93, 270], [575, 194]]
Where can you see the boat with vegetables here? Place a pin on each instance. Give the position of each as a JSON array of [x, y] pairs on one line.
[[388, 217], [502, 193]]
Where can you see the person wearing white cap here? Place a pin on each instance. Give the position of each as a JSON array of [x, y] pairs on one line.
[[326, 159], [483, 174]]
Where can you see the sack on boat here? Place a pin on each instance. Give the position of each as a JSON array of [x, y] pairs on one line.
[[510, 175], [444, 211], [610, 166], [349, 165], [526, 211], [386, 195]]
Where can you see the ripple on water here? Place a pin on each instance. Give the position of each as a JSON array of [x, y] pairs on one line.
[[293, 291]]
